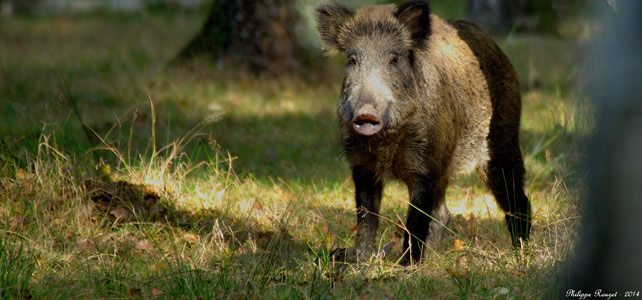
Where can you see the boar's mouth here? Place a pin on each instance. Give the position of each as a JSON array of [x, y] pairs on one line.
[[367, 124]]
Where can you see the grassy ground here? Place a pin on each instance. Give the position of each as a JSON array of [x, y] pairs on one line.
[[194, 183]]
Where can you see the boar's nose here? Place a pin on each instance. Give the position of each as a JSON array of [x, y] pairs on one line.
[[366, 122]]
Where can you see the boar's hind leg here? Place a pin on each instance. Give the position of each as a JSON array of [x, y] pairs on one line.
[[437, 229], [427, 196], [368, 199], [505, 178]]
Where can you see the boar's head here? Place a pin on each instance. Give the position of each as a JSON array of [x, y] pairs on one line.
[[380, 43]]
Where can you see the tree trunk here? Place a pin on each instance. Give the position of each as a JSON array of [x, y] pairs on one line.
[[10, 7], [257, 35]]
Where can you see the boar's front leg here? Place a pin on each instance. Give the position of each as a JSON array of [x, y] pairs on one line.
[[427, 195], [368, 200]]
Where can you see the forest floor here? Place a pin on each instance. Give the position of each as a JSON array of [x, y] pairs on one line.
[[194, 182]]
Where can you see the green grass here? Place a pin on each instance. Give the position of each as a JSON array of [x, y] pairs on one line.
[[234, 187]]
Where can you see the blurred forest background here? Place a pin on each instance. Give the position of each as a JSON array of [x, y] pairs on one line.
[[189, 149]]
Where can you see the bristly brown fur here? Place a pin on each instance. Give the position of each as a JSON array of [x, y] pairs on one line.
[[415, 15], [446, 101], [338, 25], [329, 17]]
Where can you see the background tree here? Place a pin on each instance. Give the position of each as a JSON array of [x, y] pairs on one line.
[[523, 15], [258, 35], [9, 7]]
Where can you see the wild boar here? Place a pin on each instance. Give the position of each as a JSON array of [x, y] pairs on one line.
[[423, 100]]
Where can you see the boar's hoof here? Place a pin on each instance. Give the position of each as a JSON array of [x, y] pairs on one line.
[[367, 124], [343, 255]]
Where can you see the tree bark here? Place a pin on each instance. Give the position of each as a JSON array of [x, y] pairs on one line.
[[257, 35]]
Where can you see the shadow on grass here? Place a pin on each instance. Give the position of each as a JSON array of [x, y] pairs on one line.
[[256, 254], [294, 147]]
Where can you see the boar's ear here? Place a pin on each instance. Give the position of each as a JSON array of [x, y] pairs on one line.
[[330, 17], [415, 16]]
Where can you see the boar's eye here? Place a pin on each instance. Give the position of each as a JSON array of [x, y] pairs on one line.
[[394, 60], [352, 60]]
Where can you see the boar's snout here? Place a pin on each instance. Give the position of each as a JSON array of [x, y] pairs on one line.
[[366, 122]]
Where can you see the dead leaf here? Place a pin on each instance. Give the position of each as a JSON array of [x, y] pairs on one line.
[[25, 178], [459, 245], [517, 273], [21, 174], [157, 292], [134, 292]]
